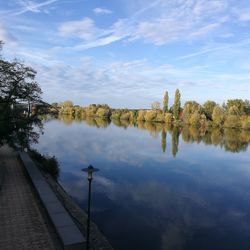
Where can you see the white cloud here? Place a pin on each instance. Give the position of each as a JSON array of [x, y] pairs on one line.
[[84, 29], [92, 36], [160, 31], [159, 23], [182, 20], [205, 30], [143, 83], [216, 48], [244, 15], [32, 6], [102, 11]]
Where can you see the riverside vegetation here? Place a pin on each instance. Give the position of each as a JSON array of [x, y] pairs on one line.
[[235, 113], [21, 109]]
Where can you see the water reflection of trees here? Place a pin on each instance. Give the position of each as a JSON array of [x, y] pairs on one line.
[[163, 140], [233, 140], [175, 140], [123, 123], [91, 121]]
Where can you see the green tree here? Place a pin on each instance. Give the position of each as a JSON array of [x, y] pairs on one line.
[[54, 104], [168, 118], [165, 102], [18, 87], [150, 115], [17, 83], [208, 107], [68, 104], [247, 107], [177, 104], [190, 108], [195, 119], [233, 110], [239, 104], [218, 116]]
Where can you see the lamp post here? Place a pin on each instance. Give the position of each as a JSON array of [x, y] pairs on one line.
[[90, 170]]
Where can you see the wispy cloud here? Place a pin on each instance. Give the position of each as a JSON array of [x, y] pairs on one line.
[[102, 11], [244, 15], [92, 36], [7, 37], [31, 6], [215, 48], [166, 22], [84, 29], [172, 35]]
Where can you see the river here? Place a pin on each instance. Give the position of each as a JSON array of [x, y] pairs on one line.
[[159, 188]]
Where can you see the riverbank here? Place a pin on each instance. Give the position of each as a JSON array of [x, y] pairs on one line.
[[196, 116], [97, 239], [24, 221], [23, 225]]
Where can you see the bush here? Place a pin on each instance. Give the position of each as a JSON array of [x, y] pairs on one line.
[[49, 164]]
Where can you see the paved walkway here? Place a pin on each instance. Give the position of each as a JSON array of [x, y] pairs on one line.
[[22, 226]]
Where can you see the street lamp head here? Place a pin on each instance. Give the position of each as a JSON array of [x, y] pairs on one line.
[[90, 170]]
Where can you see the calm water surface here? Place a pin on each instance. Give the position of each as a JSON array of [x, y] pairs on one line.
[[158, 189]]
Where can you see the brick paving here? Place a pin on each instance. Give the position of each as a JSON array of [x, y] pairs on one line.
[[22, 226]]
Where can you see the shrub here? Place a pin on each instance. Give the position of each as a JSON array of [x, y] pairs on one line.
[[49, 164]]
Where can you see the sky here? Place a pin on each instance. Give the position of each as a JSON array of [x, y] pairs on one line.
[[127, 53]]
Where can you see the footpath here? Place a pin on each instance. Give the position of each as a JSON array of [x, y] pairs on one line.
[[22, 223]]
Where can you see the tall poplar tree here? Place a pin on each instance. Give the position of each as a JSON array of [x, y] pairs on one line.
[[165, 102], [177, 104]]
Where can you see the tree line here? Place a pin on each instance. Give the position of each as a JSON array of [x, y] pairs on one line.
[[235, 113]]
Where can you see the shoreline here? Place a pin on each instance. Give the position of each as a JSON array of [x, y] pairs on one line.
[[97, 239]]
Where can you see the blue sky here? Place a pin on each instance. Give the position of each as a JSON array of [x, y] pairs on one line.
[[126, 53]]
